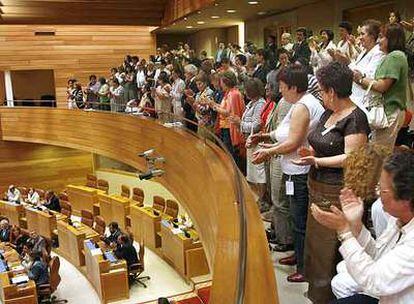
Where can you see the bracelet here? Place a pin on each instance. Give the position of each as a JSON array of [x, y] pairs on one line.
[[342, 237]]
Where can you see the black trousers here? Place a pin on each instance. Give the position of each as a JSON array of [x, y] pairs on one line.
[[356, 299]]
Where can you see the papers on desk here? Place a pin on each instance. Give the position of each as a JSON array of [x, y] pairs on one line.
[[20, 279], [176, 231], [18, 268], [96, 251]]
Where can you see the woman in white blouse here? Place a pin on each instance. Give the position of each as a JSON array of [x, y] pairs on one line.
[[249, 124], [367, 62], [291, 135], [162, 97], [177, 91], [320, 53]]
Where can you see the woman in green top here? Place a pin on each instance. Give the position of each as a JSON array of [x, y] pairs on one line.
[[391, 80], [103, 94]]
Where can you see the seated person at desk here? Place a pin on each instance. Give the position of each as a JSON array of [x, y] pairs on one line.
[[26, 256], [125, 250], [13, 194], [52, 201], [38, 242], [17, 239], [33, 197], [114, 231], [38, 271], [4, 230]]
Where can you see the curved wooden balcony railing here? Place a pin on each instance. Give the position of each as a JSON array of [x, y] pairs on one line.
[[198, 173]]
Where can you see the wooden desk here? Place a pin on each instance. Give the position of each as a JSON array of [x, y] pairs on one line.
[[41, 221], [110, 280], [14, 212], [146, 226], [186, 255], [114, 208], [71, 241], [82, 197], [12, 293]]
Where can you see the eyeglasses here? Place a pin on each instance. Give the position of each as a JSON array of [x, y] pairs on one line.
[[378, 190]]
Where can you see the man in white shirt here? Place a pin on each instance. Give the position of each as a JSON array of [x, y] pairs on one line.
[[344, 47], [383, 268], [13, 194], [33, 197]]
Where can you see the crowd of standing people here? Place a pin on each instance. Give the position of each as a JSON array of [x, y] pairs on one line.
[[290, 116]]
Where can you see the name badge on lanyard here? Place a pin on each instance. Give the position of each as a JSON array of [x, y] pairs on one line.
[[328, 130], [290, 187]]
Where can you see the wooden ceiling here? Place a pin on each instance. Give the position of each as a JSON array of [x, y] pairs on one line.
[[105, 12]]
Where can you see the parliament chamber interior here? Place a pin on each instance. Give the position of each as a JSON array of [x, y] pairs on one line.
[[206, 151]]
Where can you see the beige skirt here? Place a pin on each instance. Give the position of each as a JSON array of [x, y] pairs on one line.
[[321, 244], [255, 173], [388, 136]]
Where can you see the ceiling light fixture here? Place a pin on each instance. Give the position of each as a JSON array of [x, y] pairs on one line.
[[253, 2], [200, 22], [189, 26], [185, 18], [215, 17], [262, 13], [231, 11]]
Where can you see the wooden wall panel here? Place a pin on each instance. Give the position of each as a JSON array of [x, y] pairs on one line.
[[198, 174], [176, 9], [74, 51], [42, 166]]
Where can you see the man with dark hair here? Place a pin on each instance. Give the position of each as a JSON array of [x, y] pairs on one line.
[[382, 268], [301, 47], [114, 233], [125, 250], [39, 271], [52, 201], [346, 47], [262, 67], [271, 44]]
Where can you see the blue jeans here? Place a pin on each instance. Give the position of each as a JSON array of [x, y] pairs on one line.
[[298, 206]]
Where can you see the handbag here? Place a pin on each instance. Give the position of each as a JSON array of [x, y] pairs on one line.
[[374, 109]]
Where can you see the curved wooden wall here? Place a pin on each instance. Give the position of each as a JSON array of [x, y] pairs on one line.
[[42, 166], [199, 175]]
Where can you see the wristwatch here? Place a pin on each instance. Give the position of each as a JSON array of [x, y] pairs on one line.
[[342, 237], [362, 78]]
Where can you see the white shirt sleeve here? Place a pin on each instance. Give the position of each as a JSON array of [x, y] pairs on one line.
[[373, 64], [388, 275]]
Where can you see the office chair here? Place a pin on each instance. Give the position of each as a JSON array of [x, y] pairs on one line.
[[100, 225], [87, 218], [125, 191], [45, 291], [103, 185], [135, 270], [66, 208], [128, 231], [158, 203], [171, 208], [138, 196], [91, 181]]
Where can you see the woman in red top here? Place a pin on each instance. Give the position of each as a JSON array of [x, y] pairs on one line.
[[231, 105]]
